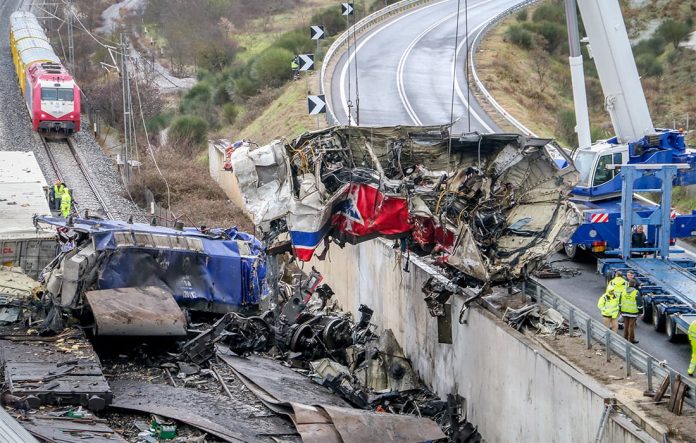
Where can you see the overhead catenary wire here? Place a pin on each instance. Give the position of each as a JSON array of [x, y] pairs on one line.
[[454, 81]]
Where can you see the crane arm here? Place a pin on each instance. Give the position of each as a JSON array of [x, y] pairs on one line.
[[611, 50]]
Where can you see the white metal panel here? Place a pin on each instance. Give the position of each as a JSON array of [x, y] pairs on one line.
[[611, 50], [11, 431], [38, 54], [21, 34], [21, 192]]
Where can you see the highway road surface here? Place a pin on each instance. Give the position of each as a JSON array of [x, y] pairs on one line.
[[405, 65], [404, 73]]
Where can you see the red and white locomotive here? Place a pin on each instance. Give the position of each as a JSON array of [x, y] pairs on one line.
[[49, 91]]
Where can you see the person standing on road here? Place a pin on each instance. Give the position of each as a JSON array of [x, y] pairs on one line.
[[608, 305], [618, 282], [65, 203], [692, 339], [630, 305]]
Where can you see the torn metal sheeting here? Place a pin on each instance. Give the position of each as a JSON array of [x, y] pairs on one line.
[[148, 311], [489, 206], [320, 416], [280, 382], [66, 430], [355, 425], [228, 419]]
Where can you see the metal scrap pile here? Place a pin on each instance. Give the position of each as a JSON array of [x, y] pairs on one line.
[[488, 206], [368, 371]]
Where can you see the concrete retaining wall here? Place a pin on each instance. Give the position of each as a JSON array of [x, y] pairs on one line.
[[515, 390]]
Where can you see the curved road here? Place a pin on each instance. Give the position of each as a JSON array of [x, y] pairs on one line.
[[404, 68], [405, 65]]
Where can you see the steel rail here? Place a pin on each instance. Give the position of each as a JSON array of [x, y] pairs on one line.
[[85, 172]]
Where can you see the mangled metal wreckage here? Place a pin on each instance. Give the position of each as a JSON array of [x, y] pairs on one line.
[[136, 277], [489, 206]]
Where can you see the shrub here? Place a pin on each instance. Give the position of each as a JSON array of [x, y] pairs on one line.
[[648, 65], [522, 16], [519, 36], [297, 42], [554, 13], [230, 112], [244, 87], [158, 122], [331, 19], [188, 131], [218, 54], [553, 33], [272, 67], [654, 45], [565, 126], [221, 94], [673, 31]]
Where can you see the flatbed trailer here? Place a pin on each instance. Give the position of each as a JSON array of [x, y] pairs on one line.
[[668, 288], [667, 284]]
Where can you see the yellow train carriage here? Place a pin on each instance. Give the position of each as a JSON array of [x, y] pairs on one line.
[[28, 44], [22, 34], [30, 51]]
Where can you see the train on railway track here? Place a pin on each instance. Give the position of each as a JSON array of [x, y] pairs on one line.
[[48, 90]]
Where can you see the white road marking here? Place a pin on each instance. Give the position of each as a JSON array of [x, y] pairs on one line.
[[342, 82], [402, 62]]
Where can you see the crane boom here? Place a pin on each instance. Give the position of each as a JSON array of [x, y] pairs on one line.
[[611, 49]]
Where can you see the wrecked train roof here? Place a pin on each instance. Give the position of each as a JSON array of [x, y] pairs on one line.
[[216, 270], [487, 205]]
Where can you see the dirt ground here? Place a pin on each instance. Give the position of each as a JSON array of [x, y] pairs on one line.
[[629, 389]]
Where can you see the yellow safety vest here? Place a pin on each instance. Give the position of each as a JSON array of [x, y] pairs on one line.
[[692, 331], [65, 203], [58, 190], [608, 305], [629, 302]]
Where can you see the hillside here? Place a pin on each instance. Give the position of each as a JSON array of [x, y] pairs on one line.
[[524, 64]]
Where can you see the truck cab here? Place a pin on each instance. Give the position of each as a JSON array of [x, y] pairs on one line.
[[595, 180]]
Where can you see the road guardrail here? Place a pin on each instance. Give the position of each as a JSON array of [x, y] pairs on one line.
[[595, 331], [472, 62], [343, 40]]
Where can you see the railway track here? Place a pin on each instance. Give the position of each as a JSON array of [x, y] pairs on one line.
[[70, 169]]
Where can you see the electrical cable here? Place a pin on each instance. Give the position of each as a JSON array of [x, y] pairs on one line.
[[466, 67], [454, 81], [357, 86], [149, 147]]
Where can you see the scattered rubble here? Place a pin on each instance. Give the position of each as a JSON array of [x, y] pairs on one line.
[[487, 207]]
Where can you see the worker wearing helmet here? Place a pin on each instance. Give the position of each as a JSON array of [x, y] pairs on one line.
[[608, 305], [692, 339], [65, 203], [618, 282]]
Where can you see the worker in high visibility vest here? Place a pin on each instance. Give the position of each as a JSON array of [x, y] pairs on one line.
[[692, 339], [617, 282], [630, 306], [65, 203], [57, 192], [608, 305]]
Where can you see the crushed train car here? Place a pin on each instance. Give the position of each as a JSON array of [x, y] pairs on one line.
[[491, 206], [102, 260]]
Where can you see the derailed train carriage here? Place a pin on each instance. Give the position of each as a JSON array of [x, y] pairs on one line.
[[49, 91]]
